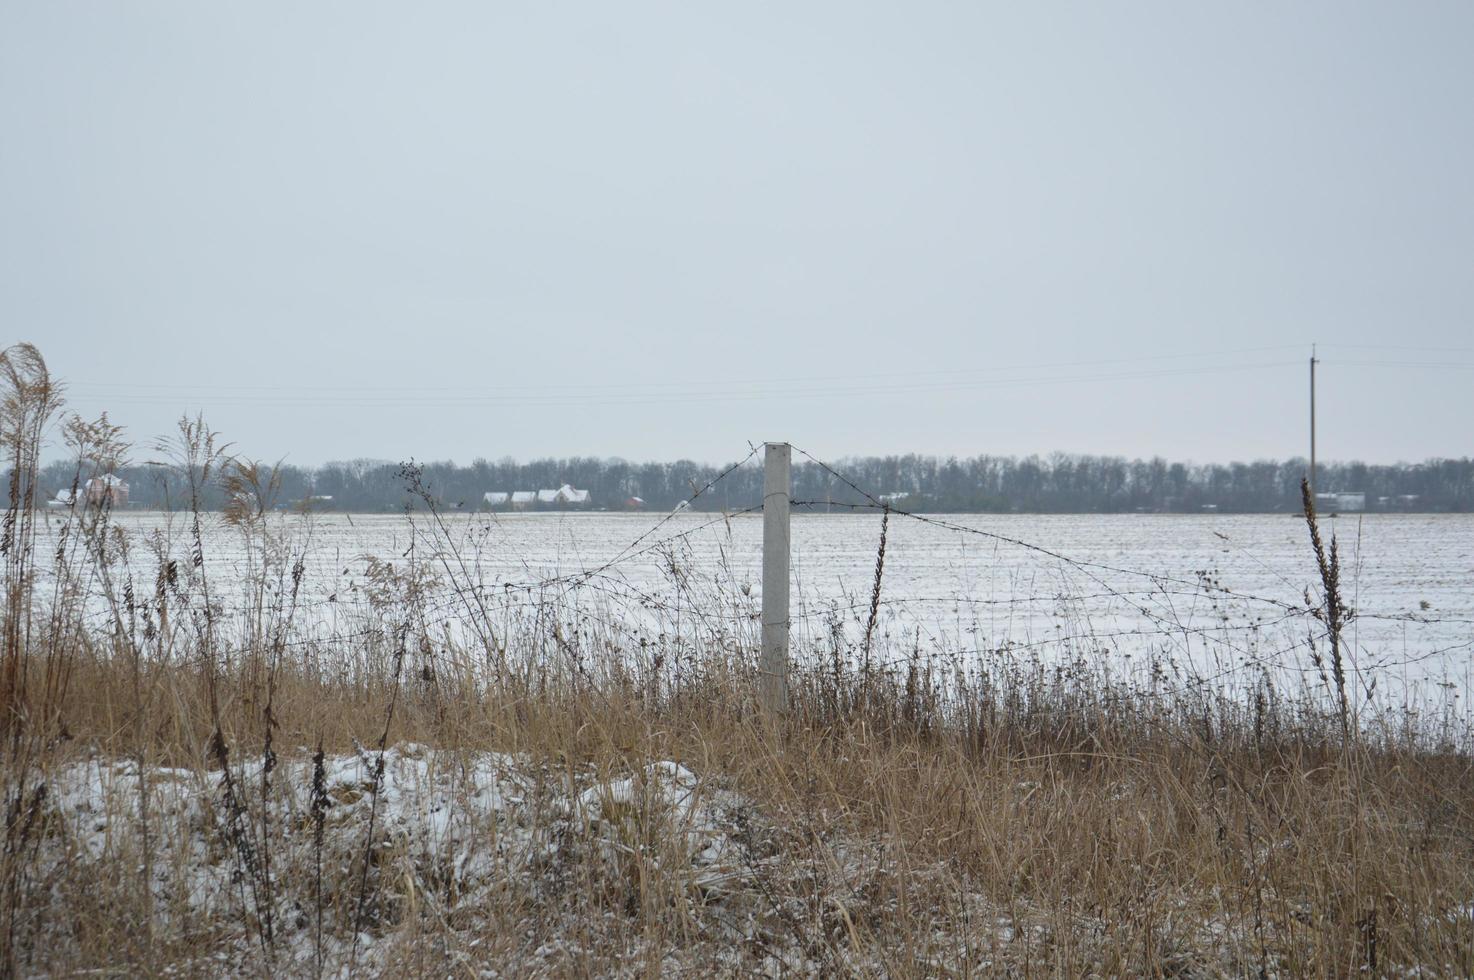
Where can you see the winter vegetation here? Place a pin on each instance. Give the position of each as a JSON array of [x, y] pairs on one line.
[[199, 778]]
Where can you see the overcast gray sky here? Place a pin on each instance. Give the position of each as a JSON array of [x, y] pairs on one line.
[[452, 230]]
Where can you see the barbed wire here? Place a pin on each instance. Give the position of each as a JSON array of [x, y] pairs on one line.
[[623, 606], [1080, 563], [1166, 627]]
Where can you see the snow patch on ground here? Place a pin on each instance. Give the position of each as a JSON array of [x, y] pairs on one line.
[[388, 835], [420, 861]]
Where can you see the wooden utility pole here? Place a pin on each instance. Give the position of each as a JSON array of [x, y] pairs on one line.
[[1312, 421], [773, 668]]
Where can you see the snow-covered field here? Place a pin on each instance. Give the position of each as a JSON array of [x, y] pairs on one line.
[[1222, 593]]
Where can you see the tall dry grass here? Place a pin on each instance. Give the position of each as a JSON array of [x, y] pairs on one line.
[[917, 816]]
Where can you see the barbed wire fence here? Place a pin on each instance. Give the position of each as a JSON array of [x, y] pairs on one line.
[[1300, 656], [655, 592]]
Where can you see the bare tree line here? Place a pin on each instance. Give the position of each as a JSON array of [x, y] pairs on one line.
[[1057, 483]]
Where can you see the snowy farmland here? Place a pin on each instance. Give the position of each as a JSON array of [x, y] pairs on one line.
[[1216, 596]]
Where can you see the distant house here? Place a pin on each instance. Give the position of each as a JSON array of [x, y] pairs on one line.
[[63, 499], [107, 490], [894, 498], [564, 496], [634, 503], [571, 497], [1341, 501]]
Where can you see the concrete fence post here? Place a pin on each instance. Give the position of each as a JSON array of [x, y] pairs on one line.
[[773, 676]]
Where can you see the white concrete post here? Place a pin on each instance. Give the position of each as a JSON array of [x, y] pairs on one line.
[[773, 668]]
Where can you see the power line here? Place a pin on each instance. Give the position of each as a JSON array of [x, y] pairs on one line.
[[1402, 347], [698, 383], [686, 396], [1439, 365]]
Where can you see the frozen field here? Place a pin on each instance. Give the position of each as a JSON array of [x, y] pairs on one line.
[[1218, 595]]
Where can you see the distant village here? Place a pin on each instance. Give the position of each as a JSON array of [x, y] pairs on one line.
[[563, 498], [566, 497], [112, 492]]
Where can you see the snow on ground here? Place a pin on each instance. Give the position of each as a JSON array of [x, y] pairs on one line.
[[455, 831], [527, 867], [420, 860]]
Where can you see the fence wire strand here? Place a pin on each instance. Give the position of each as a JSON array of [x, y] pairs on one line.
[[618, 599]]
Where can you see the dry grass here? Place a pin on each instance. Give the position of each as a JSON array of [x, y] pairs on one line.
[[1117, 843], [395, 799]]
